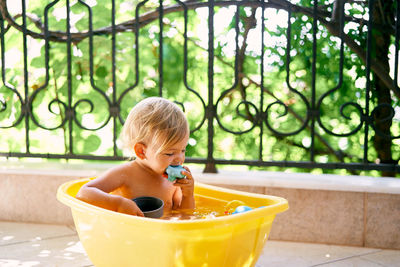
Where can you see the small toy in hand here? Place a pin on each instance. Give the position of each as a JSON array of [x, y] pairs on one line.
[[175, 172]]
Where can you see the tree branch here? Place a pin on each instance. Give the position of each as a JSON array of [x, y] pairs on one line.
[[148, 17]]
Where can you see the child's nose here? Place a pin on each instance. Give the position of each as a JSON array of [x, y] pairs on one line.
[[179, 159]]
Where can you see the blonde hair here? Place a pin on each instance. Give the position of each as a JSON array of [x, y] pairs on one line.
[[154, 120]]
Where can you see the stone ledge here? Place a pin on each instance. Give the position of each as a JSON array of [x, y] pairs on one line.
[[304, 181], [332, 209], [330, 182]]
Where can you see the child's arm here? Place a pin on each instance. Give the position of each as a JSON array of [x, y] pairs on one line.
[[187, 187], [96, 192]]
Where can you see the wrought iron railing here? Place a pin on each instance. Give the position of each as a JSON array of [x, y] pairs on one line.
[[104, 93]]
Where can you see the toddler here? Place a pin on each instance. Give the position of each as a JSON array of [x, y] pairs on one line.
[[157, 131]]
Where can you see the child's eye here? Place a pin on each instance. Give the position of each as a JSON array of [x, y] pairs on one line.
[[169, 154]]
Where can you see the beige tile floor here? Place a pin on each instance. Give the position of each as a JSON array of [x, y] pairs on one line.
[[23, 244]]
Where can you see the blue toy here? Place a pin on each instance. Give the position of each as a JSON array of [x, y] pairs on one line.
[[241, 209], [174, 172]]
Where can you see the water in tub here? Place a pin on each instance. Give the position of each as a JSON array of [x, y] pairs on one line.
[[206, 208]]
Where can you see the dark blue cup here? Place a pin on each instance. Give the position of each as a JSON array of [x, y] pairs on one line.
[[151, 207]]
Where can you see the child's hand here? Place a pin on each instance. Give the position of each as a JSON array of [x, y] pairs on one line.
[[187, 184], [128, 206]]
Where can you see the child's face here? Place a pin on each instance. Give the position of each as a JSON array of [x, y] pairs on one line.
[[174, 155]]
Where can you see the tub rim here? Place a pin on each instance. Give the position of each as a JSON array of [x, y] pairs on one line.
[[280, 205]]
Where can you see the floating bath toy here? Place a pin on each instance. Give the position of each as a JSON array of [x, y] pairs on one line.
[[241, 209], [175, 172], [231, 206]]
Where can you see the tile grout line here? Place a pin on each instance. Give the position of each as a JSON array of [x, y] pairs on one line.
[[380, 264], [33, 240], [349, 257]]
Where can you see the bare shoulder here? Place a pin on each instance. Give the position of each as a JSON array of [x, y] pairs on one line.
[[113, 178], [121, 168]]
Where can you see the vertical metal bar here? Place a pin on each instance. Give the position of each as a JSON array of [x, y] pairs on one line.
[[26, 87], [160, 55], [137, 44], [185, 63], [210, 166], [368, 74], [91, 65], [237, 33], [113, 68], [69, 77], [136, 47], [3, 62], [91, 48], [288, 45], [260, 156], [3, 68], [2, 34], [46, 46], [114, 80], [185, 46], [341, 36], [396, 44], [314, 64]]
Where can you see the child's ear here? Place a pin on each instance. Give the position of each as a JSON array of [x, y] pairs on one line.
[[140, 150]]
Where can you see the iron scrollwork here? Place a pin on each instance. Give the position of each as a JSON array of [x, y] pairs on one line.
[[70, 108]]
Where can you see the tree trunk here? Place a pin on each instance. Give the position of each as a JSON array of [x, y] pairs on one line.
[[383, 14]]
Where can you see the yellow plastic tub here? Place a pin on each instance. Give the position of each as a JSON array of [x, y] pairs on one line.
[[116, 239]]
